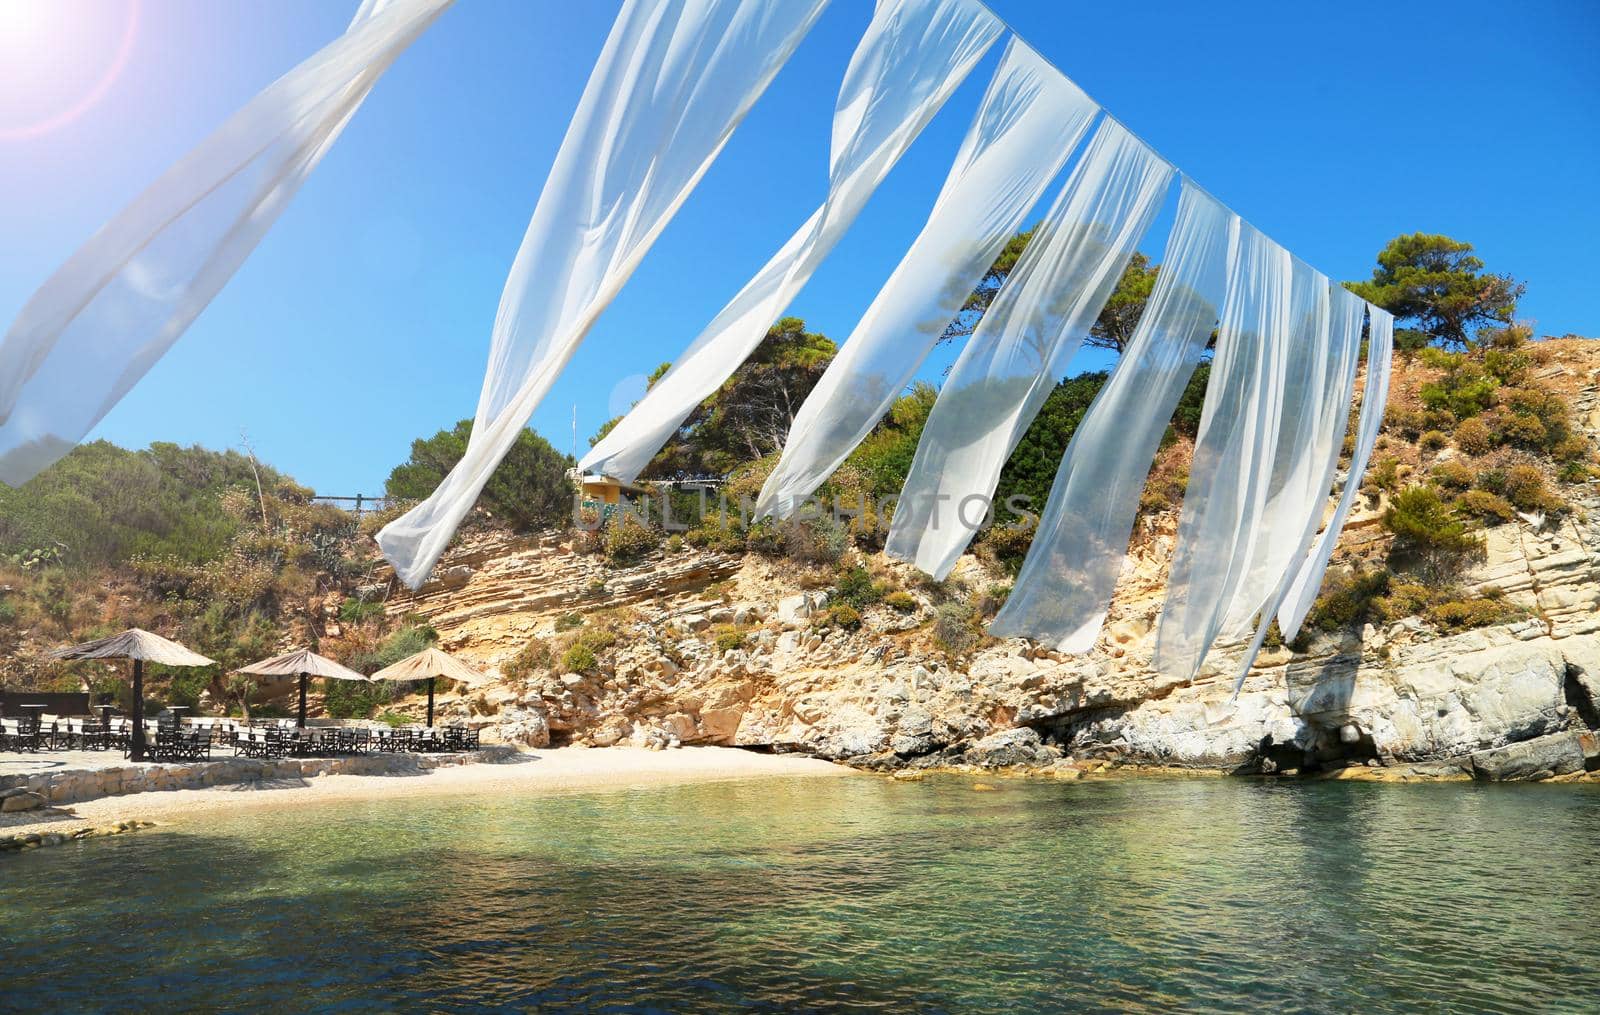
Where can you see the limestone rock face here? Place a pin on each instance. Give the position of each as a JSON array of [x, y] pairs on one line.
[[1514, 700]]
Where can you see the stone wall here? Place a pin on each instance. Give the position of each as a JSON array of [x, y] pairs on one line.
[[78, 785]]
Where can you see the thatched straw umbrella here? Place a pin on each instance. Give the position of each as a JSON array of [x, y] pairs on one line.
[[141, 647], [302, 663], [430, 664]]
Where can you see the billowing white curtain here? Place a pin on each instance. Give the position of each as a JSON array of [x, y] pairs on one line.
[[119, 303], [1029, 121], [1023, 344], [670, 86], [1317, 446], [1308, 579], [1295, 460], [1229, 477], [1065, 586], [911, 58]]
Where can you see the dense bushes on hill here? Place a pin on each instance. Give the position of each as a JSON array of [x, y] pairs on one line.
[[527, 490], [101, 505]]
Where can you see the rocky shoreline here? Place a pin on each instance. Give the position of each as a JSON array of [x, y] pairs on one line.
[[1558, 757]]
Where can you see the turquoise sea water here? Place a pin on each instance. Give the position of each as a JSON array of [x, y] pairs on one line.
[[828, 894]]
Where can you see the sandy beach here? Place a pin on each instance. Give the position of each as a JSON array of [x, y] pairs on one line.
[[558, 770]]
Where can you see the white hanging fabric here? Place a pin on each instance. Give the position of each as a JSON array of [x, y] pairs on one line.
[[118, 304], [1308, 580], [670, 86], [1232, 465], [1305, 498], [1296, 460], [1023, 344], [1029, 121], [1066, 582], [912, 57]]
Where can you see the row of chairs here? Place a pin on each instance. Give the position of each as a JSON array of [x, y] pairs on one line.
[[279, 742], [167, 740]]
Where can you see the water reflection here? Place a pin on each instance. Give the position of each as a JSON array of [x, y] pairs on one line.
[[1205, 895]]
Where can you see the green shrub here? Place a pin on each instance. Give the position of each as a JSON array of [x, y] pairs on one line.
[[346, 699], [1461, 615], [901, 602], [1464, 387], [1492, 480], [1525, 431], [1486, 505], [1454, 475], [856, 587], [628, 538], [1346, 599], [1408, 423], [394, 719], [596, 639], [1571, 448], [841, 615], [579, 658], [356, 611], [1007, 544], [954, 627], [1428, 534], [1384, 474], [814, 539], [534, 657], [1574, 472], [992, 598], [1473, 437], [568, 621], [528, 490], [1402, 600], [727, 641], [1433, 440], [765, 536], [1525, 488]]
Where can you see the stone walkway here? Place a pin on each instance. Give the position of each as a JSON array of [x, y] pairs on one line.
[[61, 777], [63, 761]]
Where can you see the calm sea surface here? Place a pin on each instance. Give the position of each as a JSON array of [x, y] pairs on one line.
[[825, 894]]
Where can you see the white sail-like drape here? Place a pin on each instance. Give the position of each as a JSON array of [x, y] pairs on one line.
[[1295, 459], [670, 86], [1023, 344], [1065, 585], [118, 304], [911, 58], [1228, 479], [1308, 580], [1318, 444], [1029, 121]]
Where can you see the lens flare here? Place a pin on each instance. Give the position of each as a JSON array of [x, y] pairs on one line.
[[37, 36]]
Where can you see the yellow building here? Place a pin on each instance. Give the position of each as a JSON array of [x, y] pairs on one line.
[[602, 492]]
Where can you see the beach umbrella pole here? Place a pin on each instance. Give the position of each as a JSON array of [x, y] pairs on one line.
[[302, 701], [430, 702], [136, 740]]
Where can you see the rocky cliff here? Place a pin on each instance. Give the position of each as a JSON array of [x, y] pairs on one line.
[[716, 648]]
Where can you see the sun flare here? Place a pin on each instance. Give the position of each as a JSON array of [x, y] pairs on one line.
[[58, 59]]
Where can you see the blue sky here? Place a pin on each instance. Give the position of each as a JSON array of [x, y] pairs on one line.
[[363, 319]]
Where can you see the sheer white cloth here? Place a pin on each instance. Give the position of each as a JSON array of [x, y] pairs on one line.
[[1308, 580], [911, 58], [1065, 586], [118, 304], [1229, 477], [1318, 444], [1023, 344], [1295, 459], [670, 86], [1030, 120]]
